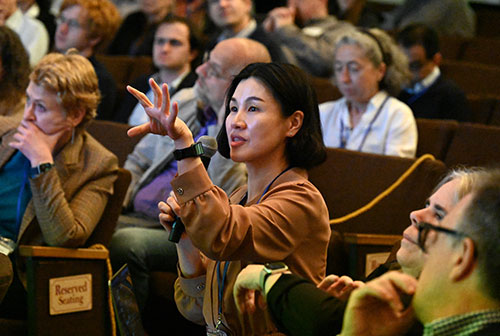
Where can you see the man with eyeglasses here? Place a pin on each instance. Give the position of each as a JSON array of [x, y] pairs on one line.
[[140, 240], [32, 32], [88, 26], [458, 291], [430, 95], [299, 308]]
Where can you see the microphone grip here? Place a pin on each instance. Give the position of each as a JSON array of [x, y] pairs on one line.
[[176, 231], [178, 226]]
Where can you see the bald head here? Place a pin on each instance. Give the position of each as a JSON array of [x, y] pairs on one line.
[[225, 61], [237, 53]]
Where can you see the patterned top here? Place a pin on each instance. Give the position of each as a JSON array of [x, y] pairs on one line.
[[463, 325]]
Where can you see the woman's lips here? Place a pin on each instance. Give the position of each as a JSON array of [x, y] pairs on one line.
[[237, 140]]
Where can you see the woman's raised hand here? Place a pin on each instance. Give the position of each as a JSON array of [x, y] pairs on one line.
[[162, 119]]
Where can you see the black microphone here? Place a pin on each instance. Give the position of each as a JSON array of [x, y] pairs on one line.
[[209, 149]]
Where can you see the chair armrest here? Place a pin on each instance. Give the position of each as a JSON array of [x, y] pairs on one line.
[[371, 239], [62, 252]]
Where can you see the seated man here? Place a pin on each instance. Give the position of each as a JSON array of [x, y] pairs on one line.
[[458, 292], [174, 49], [140, 240], [55, 179], [285, 294], [88, 26], [431, 95], [311, 47], [234, 19], [32, 32]]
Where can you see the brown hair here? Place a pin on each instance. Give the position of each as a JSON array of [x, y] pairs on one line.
[[103, 19]]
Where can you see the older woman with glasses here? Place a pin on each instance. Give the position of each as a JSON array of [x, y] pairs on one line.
[[55, 179], [369, 71]]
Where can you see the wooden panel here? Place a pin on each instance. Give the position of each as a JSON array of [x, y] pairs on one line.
[[60, 252]]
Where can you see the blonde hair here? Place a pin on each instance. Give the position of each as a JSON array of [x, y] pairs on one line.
[[73, 79], [103, 19]]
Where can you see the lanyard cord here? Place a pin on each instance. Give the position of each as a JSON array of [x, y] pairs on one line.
[[343, 141], [220, 284]]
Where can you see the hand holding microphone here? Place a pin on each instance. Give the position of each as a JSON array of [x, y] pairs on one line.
[[207, 149]]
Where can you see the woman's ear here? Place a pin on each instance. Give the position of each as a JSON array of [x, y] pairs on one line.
[[76, 118], [382, 68], [295, 120]]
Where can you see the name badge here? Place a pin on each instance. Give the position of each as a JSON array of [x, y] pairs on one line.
[[70, 294]]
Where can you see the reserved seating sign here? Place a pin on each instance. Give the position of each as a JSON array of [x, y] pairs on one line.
[[70, 294]]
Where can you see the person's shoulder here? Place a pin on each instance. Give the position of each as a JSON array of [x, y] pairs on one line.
[[96, 150], [8, 123], [444, 84]]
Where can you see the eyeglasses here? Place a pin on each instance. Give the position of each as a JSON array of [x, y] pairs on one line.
[[425, 228], [72, 23], [211, 71]]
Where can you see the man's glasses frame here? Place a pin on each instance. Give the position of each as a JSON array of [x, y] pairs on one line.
[[425, 228]]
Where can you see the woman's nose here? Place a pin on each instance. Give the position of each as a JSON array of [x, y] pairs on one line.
[[29, 112]]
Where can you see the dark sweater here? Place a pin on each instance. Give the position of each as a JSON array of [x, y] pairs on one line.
[[442, 100]]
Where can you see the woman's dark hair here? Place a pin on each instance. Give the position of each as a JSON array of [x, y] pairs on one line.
[[290, 87], [15, 67]]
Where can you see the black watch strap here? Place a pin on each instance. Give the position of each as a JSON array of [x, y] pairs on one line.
[[191, 151], [40, 169]]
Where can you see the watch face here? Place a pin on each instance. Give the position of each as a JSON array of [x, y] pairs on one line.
[[275, 266]]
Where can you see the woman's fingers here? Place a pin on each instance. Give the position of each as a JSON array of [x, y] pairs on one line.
[[138, 130], [141, 97]]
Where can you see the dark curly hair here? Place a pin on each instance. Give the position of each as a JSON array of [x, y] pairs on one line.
[[15, 67], [291, 88]]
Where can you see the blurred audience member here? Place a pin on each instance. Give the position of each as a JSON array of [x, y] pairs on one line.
[[430, 95], [234, 19], [88, 26], [55, 178], [446, 17], [32, 32], [356, 12], [136, 34], [14, 72], [175, 47], [195, 11], [369, 71], [40, 9], [311, 44]]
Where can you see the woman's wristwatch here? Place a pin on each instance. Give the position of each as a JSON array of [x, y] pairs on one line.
[[40, 169], [277, 267]]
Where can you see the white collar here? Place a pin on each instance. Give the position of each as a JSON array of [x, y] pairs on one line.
[[427, 81]]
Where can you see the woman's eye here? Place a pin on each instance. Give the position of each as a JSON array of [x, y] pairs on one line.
[[40, 107], [233, 109], [253, 109]]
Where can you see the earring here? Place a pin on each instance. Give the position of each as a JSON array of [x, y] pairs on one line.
[[73, 136]]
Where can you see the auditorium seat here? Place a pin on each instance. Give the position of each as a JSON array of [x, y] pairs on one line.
[[451, 47], [45, 263], [113, 136], [349, 180], [434, 136], [473, 78], [495, 115], [474, 145], [482, 107], [482, 50], [325, 90]]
